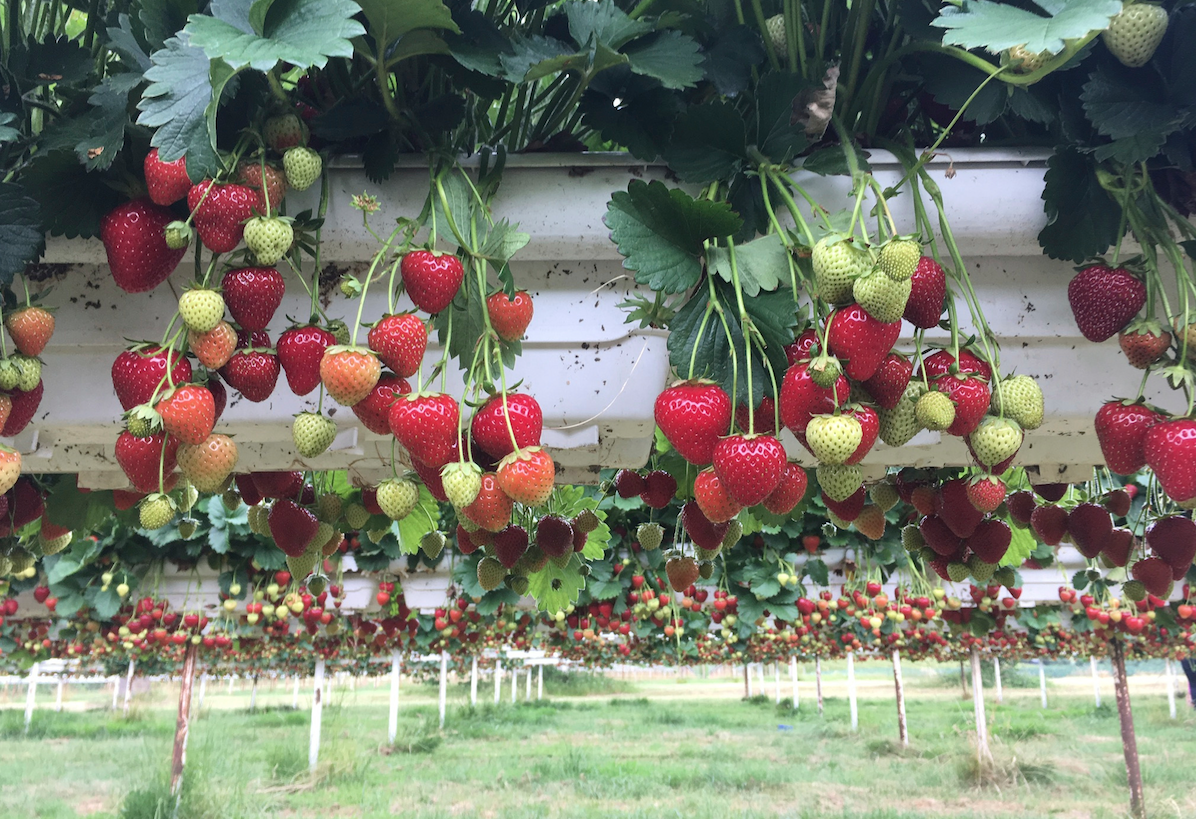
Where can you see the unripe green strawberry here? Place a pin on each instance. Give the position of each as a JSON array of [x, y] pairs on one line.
[[837, 262], [881, 297], [432, 544], [462, 482], [705, 569], [840, 482], [733, 534], [898, 258], [650, 536], [957, 572], [187, 529], [825, 371], [884, 495], [1004, 576], [927, 555], [302, 166], [586, 521], [201, 309], [833, 438], [397, 497], [9, 374], [1019, 397], [230, 499], [980, 570], [935, 411], [269, 238], [157, 510], [490, 573], [837, 521], [517, 583], [1025, 61], [562, 561], [284, 131], [911, 537], [356, 515], [312, 433], [1135, 32], [329, 507], [178, 235], [56, 544], [339, 330], [707, 555], [259, 520], [20, 560], [900, 424], [995, 440], [1134, 590], [776, 33], [142, 421], [303, 565], [29, 371]]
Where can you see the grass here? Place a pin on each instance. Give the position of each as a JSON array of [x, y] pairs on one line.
[[649, 747]]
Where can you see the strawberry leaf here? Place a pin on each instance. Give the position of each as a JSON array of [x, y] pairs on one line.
[[709, 143], [997, 26], [21, 238], [670, 57], [424, 518], [1082, 219], [303, 33], [1121, 108], [1020, 547], [760, 263], [555, 588], [391, 19]]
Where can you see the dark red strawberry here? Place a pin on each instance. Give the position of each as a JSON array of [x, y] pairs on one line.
[[849, 509], [940, 363], [138, 373], [659, 489], [869, 426], [139, 459], [300, 350], [763, 420], [489, 424], [292, 527], [1117, 547], [400, 342], [1089, 525], [1154, 574], [955, 510], [426, 426], [629, 484], [1104, 300], [990, 541], [219, 394], [430, 475], [888, 383], [278, 485], [939, 537], [247, 487], [1049, 522], [1174, 540], [252, 295], [220, 219], [802, 399], [702, 532], [860, 341], [789, 492], [1021, 506], [750, 467], [465, 544], [1170, 450], [693, 415], [134, 237], [26, 503], [802, 348], [1121, 429], [928, 290], [971, 397], [554, 536], [1051, 492], [1118, 503], [24, 407], [431, 278], [253, 372], [510, 544], [374, 410], [167, 182]]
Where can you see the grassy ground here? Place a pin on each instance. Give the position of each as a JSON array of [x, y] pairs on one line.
[[598, 747]]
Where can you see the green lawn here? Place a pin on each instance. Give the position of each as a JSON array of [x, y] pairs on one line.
[[687, 747]]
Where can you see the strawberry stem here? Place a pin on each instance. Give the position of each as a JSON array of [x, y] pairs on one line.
[[744, 325]]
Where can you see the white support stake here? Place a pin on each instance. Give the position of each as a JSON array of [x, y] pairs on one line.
[[982, 750], [395, 669], [497, 679], [1170, 671], [129, 687], [527, 688], [62, 682], [253, 695], [203, 689], [443, 685], [230, 684], [473, 683], [514, 684], [1095, 679], [793, 679], [31, 696], [818, 682], [902, 729], [855, 713], [295, 695], [317, 712], [776, 674], [540, 683], [747, 675], [997, 673], [115, 692], [1042, 682]]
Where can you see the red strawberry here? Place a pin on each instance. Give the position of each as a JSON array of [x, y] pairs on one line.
[[991, 540], [869, 425], [860, 340], [956, 510], [510, 544], [1049, 522], [252, 294], [693, 415], [491, 509], [465, 544], [510, 317], [802, 399], [659, 489], [789, 492], [139, 459], [1104, 300], [527, 476], [167, 182], [554, 536], [138, 373], [300, 350], [939, 363], [24, 406], [887, 385], [400, 342], [629, 483], [268, 180], [703, 532], [928, 290], [430, 475], [750, 467], [939, 537], [1170, 450], [188, 413], [292, 527], [278, 485], [374, 410], [1117, 546], [253, 372], [1021, 506], [1089, 525], [1154, 574], [488, 426], [1051, 492], [1174, 540], [426, 426], [971, 397], [220, 219], [803, 347], [248, 489], [431, 278], [1118, 503], [763, 419], [31, 328], [219, 394], [134, 237], [849, 509], [986, 493], [1145, 345]]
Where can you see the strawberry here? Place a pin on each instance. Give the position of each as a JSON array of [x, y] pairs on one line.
[[834, 438], [1121, 429], [762, 420], [803, 347], [167, 182], [990, 541], [141, 458], [1143, 343], [628, 483], [802, 399], [188, 413], [284, 484], [659, 489], [955, 509], [269, 238], [1170, 450], [510, 316], [986, 493], [750, 467], [284, 131], [682, 572], [303, 167], [1135, 32], [430, 475], [848, 507], [870, 522], [270, 183], [208, 465], [374, 410], [138, 373], [253, 372], [837, 262], [31, 328], [943, 363], [349, 373], [840, 482], [887, 385], [220, 216], [970, 396], [488, 427], [490, 573], [1173, 539], [510, 544], [860, 340], [156, 511], [1049, 522], [882, 297], [1104, 300], [1051, 492], [939, 537], [252, 295], [426, 426], [431, 278], [312, 434], [491, 509], [704, 533], [1118, 546], [24, 405], [554, 536], [292, 527], [300, 351], [5, 409], [1154, 574], [201, 309], [215, 347], [1020, 398], [712, 496], [527, 475], [995, 441], [924, 308], [219, 394], [400, 341], [692, 415], [869, 429], [899, 257], [1118, 503], [1089, 525], [789, 491], [134, 237]]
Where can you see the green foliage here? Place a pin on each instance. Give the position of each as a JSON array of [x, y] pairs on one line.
[[997, 26]]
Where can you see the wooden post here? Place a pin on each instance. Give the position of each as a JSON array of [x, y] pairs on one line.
[[1042, 682], [1170, 672], [129, 687], [473, 683], [182, 726], [497, 679], [982, 750], [902, 731], [855, 714], [31, 696], [1129, 742], [997, 673], [317, 712], [818, 682], [395, 670], [793, 679], [540, 683], [443, 684]]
